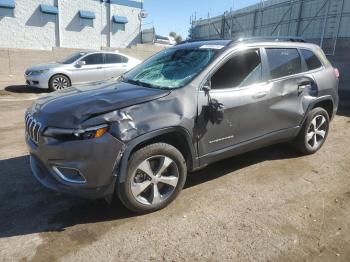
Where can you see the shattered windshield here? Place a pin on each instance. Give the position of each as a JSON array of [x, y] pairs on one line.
[[170, 69]]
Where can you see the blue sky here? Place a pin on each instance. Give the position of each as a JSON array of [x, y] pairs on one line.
[[174, 15]]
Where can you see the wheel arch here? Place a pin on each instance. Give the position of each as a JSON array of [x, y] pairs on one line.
[[178, 137], [326, 103]]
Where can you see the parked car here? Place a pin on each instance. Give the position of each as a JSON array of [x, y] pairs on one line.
[[79, 68], [181, 110]]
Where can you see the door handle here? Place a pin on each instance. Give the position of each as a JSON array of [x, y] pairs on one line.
[[259, 95], [100, 67]]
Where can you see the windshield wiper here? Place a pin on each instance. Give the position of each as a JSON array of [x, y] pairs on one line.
[[139, 83]]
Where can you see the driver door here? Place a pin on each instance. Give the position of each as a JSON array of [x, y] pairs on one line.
[[237, 106]]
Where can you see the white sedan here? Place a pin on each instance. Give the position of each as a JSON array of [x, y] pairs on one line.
[[79, 68]]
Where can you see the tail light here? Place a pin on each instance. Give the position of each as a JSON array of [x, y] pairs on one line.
[[337, 74]]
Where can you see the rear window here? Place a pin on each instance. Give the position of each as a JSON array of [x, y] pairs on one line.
[[283, 61], [114, 59], [311, 59]]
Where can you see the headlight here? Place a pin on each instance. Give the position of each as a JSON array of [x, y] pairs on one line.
[[37, 72], [71, 134], [94, 132]]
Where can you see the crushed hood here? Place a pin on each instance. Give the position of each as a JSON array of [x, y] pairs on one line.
[[69, 108]]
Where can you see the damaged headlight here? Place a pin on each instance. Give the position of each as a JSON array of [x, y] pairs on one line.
[[87, 133]]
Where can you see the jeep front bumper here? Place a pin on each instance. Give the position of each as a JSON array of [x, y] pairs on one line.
[[85, 168]]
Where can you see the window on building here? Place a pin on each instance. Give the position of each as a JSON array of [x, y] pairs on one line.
[[87, 22], [283, 62], [311, 59], [94, 59], [7, 8], [114, 59], [120, 26], [242, 69]]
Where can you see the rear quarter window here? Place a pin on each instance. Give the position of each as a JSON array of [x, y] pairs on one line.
[[311, 59], [283, 62]]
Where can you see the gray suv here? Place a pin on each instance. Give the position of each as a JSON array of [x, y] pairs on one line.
[[184, 108]]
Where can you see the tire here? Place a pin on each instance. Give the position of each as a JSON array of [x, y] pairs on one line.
[[314, 132], [59, 82], [144, 193]]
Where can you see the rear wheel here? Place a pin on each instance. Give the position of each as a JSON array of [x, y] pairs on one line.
[[58, 82], [156, 175], [314, 131]]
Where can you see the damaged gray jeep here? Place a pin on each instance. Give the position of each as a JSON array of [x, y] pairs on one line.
[[186, 107]]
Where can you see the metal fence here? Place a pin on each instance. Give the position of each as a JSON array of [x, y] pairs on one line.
[[319, 21]]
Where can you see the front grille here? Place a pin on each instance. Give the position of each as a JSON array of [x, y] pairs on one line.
[[33, 128]]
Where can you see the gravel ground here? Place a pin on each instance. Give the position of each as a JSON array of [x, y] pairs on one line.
[[268, 205]]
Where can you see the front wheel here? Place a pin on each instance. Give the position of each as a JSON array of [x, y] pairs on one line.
[[314, 132], [155, 177], [58, 82]]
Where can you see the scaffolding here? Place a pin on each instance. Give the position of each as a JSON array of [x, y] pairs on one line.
[[319, 21]]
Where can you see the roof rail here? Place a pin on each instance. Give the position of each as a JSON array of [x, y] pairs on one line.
[[200, 40], [272, 38], [247, 39]]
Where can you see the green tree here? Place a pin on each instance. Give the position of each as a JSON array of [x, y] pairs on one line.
[[178, 38]]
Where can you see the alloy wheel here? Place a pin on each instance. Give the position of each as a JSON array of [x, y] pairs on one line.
[[317, 131], [154, 180], [60, 83]]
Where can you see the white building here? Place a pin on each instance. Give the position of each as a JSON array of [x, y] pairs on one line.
[[84, 24]]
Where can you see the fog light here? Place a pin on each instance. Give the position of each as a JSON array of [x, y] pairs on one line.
[[69, 175]]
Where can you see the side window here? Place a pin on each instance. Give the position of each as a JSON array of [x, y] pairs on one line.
[[311, 59], [242, 69], [94, 59], [113, 59], [283, 62]]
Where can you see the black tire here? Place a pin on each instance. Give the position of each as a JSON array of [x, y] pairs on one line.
[[64, 80], [124, 189], [302, 142]]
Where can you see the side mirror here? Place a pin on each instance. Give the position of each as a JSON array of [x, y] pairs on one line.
[[81, 63], [207, 86]]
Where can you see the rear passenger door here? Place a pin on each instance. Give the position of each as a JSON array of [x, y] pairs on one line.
[[289, 86], [115, 65]]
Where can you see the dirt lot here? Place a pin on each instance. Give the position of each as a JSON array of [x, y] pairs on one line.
[[268, 205]]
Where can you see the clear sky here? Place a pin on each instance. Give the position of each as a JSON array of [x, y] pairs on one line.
[[174, 15]]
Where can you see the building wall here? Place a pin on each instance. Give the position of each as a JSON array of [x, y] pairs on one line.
[[26, 27], [82, 33], [132, 29]]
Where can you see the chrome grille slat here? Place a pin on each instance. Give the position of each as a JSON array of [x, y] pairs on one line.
[[32, 127]]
